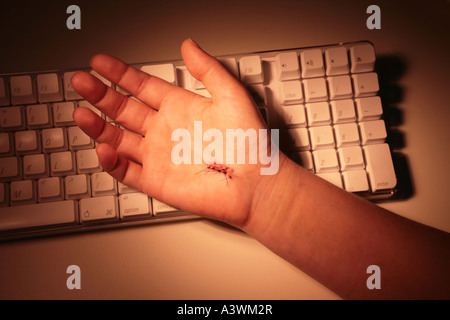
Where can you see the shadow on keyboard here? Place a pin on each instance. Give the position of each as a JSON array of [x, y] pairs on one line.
[[390, 69]]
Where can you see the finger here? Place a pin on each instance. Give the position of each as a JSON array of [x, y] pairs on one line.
[[126, 111], [126, 143], [120, 168], [147, 88], [207, 69]]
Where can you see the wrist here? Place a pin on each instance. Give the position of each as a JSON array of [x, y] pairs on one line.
[[275, 196]]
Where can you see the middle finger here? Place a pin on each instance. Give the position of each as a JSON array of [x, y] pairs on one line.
[[126, 143]]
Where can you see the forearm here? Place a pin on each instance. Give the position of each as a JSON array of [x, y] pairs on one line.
[[334, 236]]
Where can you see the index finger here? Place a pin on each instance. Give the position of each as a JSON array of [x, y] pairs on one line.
[[149, 89]]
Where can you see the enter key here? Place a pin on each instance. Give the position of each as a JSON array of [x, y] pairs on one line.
[[379, 166]]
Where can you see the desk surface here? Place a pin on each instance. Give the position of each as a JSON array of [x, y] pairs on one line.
[[202, 259]]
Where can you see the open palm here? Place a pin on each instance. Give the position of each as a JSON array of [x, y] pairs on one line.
[[141, 156]]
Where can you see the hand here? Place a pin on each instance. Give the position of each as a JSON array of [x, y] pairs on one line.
[[328, 233], [140, 157]]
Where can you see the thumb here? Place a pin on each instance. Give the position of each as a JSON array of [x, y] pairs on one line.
[[207, 69]]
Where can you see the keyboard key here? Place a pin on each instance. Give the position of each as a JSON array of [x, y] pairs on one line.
[[62, 114], [50, 189], [22, 192], [10, 169], [312, 63], [372, 131], [27, 142], [291, 92], [49, 87], [336, 61], [163, 71], [78, 139], [35, 166], [379, 167], [103, 184], [11, 119], [69, 91], [340, 87], [351, 158], [325, 160], [87, 161], [59, 213], [77, 186], [315, 90], [365, 84], [62, 163], [299, 139], [38, 116], [321, 137], [54, 139], [343, 111], [294, 115], [355, 180], [318, 113], [134, 205], [4, 93], [161, 207], [362, 58], [346, 134], [22, 90], [332, 177], [98, 209], [369, 108], [287, 66], [251, 70]]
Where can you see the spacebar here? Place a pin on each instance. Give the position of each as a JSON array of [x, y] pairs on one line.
[[38, 215]]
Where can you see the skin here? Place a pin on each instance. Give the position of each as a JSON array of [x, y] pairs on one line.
[[334, 241]]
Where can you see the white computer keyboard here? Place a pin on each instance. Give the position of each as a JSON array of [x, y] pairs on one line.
[[323, 99]]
